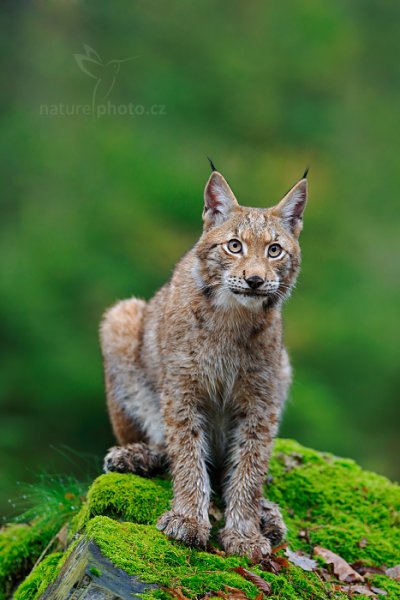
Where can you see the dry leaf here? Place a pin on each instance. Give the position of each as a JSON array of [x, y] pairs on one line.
[[367, 570], [281, 561], [277, 548], [234, 593], [362, 543], [258, 581], [274, 563], [301, 560], [324, 574], [292, 460], [62, 535], [394, 572], [231, 593], [341, 568], [378, 591], [215, 550], [215, 512], [356, 589], [270, 566], [176, 593]]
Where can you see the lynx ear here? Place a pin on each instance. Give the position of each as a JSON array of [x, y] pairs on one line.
[[290, 209], [219, 200]]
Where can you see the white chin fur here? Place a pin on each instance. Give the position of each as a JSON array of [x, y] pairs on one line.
[[248, 301], [226, 299]]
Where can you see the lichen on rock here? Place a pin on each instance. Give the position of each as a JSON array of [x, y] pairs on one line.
[[326, 501]]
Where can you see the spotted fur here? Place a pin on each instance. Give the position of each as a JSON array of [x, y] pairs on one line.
[[197, 377]]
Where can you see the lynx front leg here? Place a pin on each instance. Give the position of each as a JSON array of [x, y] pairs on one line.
[[140, 458], [188, 518], [250, 451]]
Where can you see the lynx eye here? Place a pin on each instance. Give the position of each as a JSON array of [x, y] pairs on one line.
[[234, 246], [274, 250]]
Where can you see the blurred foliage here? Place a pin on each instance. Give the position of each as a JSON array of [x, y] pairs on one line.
[[95, 208]]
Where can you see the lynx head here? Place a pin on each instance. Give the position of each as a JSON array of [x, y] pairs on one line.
[[248, 256]]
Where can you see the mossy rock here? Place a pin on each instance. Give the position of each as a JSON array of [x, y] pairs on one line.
[[340, 506]]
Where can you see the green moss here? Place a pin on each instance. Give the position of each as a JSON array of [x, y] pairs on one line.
[[20, 546], [126, 497], [38, 580], [332, 499], [43, 574], [141, 549], [47, 505], [338, 503]]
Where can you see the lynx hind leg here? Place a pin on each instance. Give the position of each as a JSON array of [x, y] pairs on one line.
[[134, 408], [120, 332], [285, 376], [140, 458], [272, 524]]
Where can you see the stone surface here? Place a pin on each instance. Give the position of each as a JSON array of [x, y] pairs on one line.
[[88, 575]]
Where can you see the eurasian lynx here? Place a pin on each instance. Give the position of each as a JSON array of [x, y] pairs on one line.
[[197, 377]]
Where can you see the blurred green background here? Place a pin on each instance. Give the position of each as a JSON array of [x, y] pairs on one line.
[[96, 208]]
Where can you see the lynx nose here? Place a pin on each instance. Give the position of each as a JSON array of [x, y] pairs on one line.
[[254, 281]]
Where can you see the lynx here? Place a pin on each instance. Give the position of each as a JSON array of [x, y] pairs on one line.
[[196, 378]]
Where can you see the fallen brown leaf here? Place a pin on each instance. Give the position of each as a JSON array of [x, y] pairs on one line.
[[362, 543], [234, 590], [62, 535], [281, 561], [367, 570], [324, 574], [277, 548], [231, 593], [357, 589], [301, 560], [341, 568], [215, 512], [270, 566], [394, 572], [215, 550], [292, 460], [258, 581], [176, 593], [378, 591], [235, 593], [274, 564]]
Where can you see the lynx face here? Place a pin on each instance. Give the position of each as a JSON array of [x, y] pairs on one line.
[[248, 256]]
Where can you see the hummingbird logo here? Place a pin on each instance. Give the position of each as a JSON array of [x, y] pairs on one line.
[[105, 73]]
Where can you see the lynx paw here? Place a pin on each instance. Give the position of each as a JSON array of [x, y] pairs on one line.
[[254, 546], [272, 525], [189, 530], [136, 458]]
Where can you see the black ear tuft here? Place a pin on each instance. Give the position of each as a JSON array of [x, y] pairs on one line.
[[306, 173], [211, 164]]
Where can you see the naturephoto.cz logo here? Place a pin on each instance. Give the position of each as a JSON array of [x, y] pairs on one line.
[[105, 75]]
